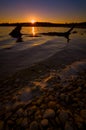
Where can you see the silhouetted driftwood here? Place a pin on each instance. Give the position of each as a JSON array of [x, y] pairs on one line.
[[63, 34], [16, 33]]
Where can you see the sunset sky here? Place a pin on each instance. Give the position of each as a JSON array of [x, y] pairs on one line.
[[60, 11]]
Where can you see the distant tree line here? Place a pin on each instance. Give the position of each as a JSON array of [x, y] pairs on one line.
[[46, 24]]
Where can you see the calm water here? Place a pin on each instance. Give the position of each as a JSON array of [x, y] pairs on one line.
[[15, 55]]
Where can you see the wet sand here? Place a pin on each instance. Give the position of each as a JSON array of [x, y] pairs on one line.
[[49, 95]]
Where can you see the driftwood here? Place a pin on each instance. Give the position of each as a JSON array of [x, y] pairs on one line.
[[16, 33], [63, 34]]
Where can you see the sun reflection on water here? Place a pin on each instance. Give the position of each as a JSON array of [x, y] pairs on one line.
[[33, 31]]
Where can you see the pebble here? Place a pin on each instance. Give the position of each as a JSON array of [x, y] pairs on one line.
[[25, 113], [80, 126], [1, 125], [20, 112], [49, 113], [24, 123], [68, 99], [19, 121], [62, 96], [34, 125], [57, 121], [63, 116], [83, 113], [78, 118], [52, 104], [44, 122], [34, 108], [68, 126], [50, 97]]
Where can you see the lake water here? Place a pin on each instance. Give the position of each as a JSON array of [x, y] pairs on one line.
[[33, 46]]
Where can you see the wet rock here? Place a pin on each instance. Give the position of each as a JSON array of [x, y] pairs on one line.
[[20, 112], [7, 115], [78, 89], [68, 99], [49, 113], [39, 102], [78, 118], [14, 117], [15, 98], [38, 112], [34, 125], [83, 113], [81, 104], [47, 100], [25, 113], [34, 108], [68, 126], [43, 106], [19, 121], [24, 123], [17, 80], [63, 116], [49, 128], [52, 104], [62, 96], [1, 125], [10, 123], [17, 105], [44, 122], [57, 106], [38, 117], [50, 97], [57, 121], [80, 125], [8, 108]]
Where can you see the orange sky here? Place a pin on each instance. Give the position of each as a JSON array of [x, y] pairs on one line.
[[58, 11]]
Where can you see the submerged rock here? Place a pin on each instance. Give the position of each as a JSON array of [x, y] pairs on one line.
[[49, 113], [24, 123], [44, 122], [83, 113], [20, 112], [1, 125], [68, 126], [63, 116], [52, 104], [34, 125]]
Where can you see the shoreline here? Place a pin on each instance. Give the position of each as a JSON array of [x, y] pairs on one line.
[[46, 24]]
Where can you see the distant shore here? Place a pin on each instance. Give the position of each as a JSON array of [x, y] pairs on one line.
[[46, 24]]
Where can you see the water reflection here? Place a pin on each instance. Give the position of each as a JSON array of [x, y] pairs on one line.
[[33, 31], [19, 39]]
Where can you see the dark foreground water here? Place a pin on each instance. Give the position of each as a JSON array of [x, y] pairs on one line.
[[33, 47], [59, 80]]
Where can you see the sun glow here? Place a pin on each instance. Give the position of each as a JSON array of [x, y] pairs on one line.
[[33, 21]]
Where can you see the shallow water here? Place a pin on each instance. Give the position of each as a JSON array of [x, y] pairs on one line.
[[34, 47]]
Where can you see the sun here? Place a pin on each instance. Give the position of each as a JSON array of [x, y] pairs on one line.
[[33, 21]]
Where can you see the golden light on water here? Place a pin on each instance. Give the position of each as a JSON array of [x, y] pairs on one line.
[[33, 31]]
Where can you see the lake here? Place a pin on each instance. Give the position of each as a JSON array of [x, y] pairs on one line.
[[34, 47]]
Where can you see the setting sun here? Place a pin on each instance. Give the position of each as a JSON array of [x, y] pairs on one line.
[[33, 21]]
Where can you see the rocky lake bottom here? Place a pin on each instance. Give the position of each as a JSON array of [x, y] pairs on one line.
[[50, 101]]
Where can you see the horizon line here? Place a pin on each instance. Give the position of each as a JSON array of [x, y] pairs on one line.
[[42, 22]]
